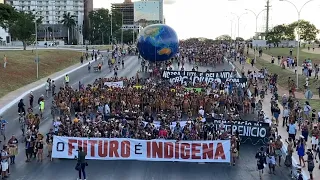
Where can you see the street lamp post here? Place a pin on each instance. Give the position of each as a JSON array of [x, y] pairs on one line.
[[239, 17], [122, 28], [36, 40], [257, 16], [231, 24], [298, 32]]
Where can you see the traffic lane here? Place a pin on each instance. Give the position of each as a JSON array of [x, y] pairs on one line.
[[245, 169], [11, 115], [46, 124]]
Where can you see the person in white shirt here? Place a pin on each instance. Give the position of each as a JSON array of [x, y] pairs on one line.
[[106, 111], [285, 116], [47, 87], [4, 162], [201, 111]]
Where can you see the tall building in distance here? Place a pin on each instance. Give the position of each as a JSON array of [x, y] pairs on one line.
[[4, 36], [52, 12], [148, 12], [126, 8]]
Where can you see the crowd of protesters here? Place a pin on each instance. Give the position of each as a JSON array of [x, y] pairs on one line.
[[143, 108], [202, 52], [296, 116]]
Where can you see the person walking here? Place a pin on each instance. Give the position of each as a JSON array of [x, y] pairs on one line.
[[4, 162], [66, 80], [81, 164], [5, 61]]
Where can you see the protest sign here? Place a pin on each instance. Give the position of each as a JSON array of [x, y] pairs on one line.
[[118, 84], [144, 150], [256, 131], [185, 77], [198, 90]]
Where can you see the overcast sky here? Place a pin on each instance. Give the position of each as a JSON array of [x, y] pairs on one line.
[[211, 18]]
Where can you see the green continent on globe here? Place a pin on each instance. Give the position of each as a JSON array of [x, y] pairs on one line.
[[152, 32]]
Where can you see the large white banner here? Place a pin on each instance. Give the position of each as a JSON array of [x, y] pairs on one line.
[[118, 84], [143, 150]]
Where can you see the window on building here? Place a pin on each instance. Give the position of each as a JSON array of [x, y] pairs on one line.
[[47, 12], [48, 22], [65, 2]]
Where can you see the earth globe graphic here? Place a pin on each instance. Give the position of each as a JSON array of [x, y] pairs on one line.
[[157, 42]]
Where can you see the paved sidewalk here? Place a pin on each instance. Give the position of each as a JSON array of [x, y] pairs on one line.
[[282, 130], [281, 90], [267, 58]]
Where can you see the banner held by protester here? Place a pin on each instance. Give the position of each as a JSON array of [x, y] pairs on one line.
[[144, 150]]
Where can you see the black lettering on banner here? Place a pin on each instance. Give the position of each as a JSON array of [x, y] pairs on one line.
[[137, 149], [60, 146]]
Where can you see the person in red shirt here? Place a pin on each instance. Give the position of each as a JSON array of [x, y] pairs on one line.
[[163, 133]]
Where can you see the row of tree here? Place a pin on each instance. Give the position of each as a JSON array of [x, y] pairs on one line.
[[99, 31], [226, 37], [308, 32], [21, 25]]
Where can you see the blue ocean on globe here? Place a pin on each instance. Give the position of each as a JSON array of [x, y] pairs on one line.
[[157, 42]]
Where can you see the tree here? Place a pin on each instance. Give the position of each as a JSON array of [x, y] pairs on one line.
[[7, 14], [69, 22], [100, 27], [224, 37], [308, 31], [280, 32], [239, 39], [23, 28]]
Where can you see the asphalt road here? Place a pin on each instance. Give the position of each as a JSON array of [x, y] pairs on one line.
[[126, 170]]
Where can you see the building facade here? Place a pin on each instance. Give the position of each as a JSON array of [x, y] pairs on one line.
[[148, 12], [127, 9], [52, 12], [4, 36]]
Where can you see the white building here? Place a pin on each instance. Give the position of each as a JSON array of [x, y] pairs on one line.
[[148, 12], [52, 12], [3, 33]]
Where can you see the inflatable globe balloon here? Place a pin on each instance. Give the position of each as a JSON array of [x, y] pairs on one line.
[[157, 42]]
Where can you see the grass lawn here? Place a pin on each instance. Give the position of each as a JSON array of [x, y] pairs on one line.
[[21, 67], [315, 104], [285, 52], [283, 76]]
